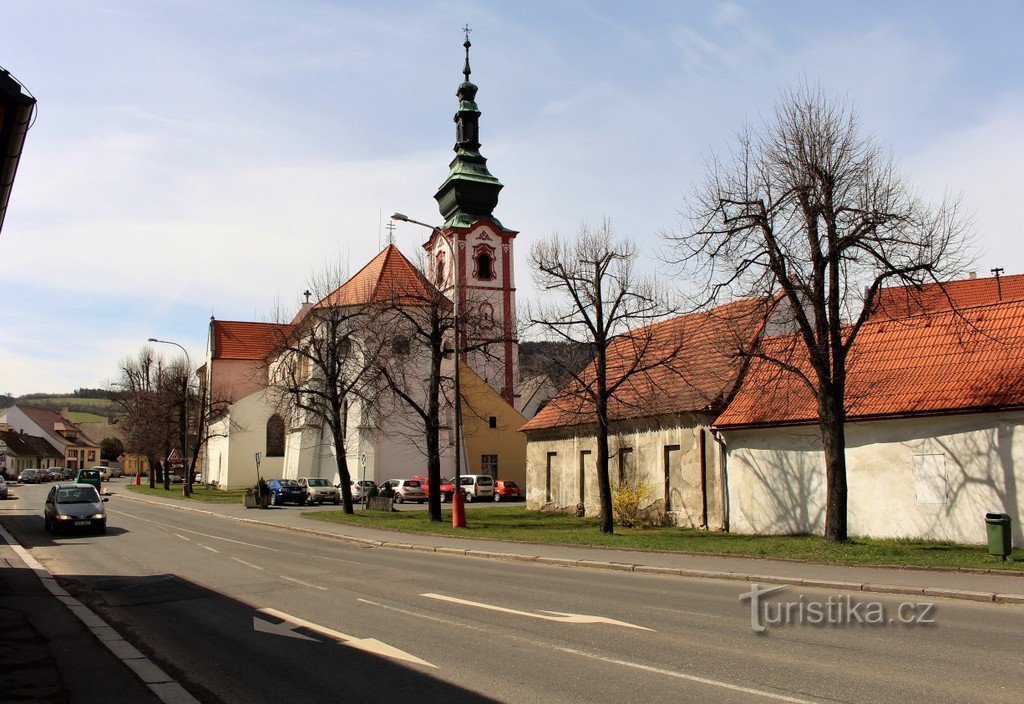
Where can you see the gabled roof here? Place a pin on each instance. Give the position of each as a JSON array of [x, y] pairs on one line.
[[248, 341], [699, 372], [902, 301], [388, 277], [54, 424], [18, 443], [963, 361]]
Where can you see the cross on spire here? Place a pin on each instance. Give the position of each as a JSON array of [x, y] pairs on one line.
[[390, 227], [467, 44]]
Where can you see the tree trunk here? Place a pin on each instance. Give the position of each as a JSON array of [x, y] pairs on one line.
[[434, 476], [833, 436], [338, 433], [603, 482], [154, 467]]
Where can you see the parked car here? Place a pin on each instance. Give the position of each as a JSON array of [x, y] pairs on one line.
[[56, 474], [67, 474], [319, 490], [447, 487], [71, 506], [507, 490], [406, 490], [90, 476], [476, 486], [358, 487], [283, 491], [174, 478], [3, 487], [29, 476]]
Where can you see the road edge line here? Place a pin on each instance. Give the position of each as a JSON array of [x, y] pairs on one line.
[[166, 688]]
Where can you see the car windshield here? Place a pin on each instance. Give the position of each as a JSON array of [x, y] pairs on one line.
[[318, 482], [77, 495], [511, 485], [88, 474], [484, 481], [289, 483]]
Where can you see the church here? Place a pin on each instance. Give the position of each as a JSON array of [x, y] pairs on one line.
[[469, 261]]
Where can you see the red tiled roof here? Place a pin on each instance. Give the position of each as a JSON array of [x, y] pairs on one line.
[[901, 301], [943, 362], [388, 277], [700, 372], [250, 341], [52, 421]]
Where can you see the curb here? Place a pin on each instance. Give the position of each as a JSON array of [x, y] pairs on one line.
[[159, 682], [958, 594]]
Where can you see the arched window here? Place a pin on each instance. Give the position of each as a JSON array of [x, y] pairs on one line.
[[275, 436], [439, 270], [483, 259]]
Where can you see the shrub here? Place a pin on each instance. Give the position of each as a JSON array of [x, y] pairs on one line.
[[629, 498]]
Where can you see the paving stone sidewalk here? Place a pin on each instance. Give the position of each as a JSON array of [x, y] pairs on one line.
[[976, 586]]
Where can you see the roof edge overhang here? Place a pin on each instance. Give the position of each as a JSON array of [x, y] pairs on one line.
[[869, 418]]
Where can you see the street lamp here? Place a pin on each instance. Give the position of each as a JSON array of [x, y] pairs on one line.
[[458, 508], [184, 411]]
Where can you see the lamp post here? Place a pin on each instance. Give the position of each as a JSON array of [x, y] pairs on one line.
[[458, 508], [184, 411]]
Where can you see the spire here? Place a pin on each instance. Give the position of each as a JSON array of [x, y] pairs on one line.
[[470, 192]]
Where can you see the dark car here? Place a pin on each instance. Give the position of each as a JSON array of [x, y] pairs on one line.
[[505, 490], [90, 476], [74, 506], [284, 491], [29, 476]]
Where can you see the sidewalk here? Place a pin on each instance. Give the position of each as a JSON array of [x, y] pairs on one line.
[[48, 653], [973, 586]]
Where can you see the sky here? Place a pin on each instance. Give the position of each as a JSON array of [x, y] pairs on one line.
[[197, 158]]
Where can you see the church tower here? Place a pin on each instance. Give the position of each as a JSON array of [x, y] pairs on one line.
[[484, 248]]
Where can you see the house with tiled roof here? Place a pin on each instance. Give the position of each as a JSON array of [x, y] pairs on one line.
[[74, 446], [659, 418], [935, 422], [19, 451]]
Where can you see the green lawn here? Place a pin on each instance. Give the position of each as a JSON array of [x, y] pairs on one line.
[[518, 524], [199, 493], [79, 417]]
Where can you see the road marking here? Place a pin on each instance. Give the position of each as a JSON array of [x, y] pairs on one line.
[[278, 629], [207, 547], [370, 645], [181, 537], [543, 615], [195, 532], [594, 656], [247, 564], [305, 584]]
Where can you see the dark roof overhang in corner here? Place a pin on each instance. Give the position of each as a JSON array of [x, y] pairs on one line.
[[16, 109]]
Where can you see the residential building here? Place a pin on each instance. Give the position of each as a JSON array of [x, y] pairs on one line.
[[19, 451], [76, 448]]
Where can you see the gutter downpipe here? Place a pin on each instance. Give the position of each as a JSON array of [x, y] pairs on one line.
[[717, 435], [703, 481]]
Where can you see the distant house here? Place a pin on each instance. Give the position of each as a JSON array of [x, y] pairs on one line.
[[659, 420], [19, 451], [75, 447], [490, 425], [129, 462], [534, 393], [935, 431]]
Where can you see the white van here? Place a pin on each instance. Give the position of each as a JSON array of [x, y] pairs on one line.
[[476, 486]]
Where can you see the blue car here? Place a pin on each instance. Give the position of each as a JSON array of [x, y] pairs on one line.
[[283, 491]]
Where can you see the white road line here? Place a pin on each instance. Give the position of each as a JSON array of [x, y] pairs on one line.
[[299, 581], [159, 682], [614, 661], [370, 645], [207, 547], [181, 537], [247, 564], [558, 616], [195, 532]]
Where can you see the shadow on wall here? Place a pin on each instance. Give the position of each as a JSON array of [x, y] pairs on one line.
[[787, 492]]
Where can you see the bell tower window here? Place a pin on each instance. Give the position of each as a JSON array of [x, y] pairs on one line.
[[483, 261]]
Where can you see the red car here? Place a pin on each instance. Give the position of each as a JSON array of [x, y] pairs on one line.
[[505, 490], [447, 488]]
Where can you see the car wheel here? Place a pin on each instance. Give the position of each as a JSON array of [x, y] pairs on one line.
[[398, 498], [469, 497], [497, 497], [336, 501], [273, 499], [421, 501]]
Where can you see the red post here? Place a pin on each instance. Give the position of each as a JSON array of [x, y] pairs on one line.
[[138, 477], [458, 510]]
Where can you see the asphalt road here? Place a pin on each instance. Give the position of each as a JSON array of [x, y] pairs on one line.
[[243, 613]]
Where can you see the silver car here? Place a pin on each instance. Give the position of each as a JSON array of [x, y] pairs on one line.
[[74, 507], [406, 490], [319, 490]]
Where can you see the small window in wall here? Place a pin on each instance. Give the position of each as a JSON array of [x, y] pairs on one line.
[[584, 458], [489, 465], [275, 436], [492, 422], [930, 485], [627, 464], [547, 476]]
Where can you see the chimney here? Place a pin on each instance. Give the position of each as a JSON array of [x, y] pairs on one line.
[[972, 275], [64, 411]]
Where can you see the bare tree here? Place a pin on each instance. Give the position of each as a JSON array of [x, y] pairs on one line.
[[325, 365], [599, 300], [809, 209]]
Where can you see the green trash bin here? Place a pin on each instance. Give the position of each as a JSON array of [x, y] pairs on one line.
[[998, 527]]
